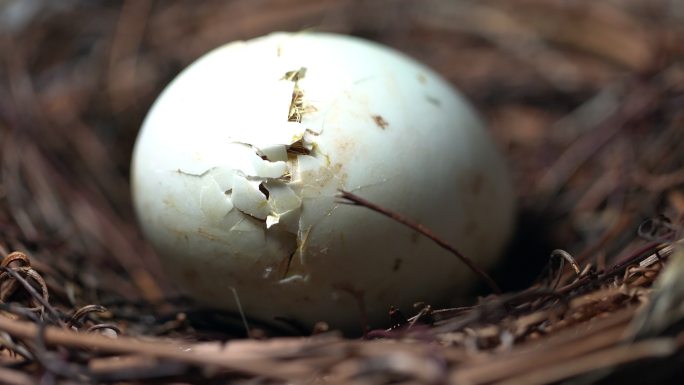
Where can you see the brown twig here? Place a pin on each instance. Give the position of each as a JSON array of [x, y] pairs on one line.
[[16, 377], [42, 299], [82, 312], [653, 248], [353, 199], [562, 256], [238, 358]]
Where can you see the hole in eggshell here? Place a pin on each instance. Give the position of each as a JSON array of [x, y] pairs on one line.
[[297, 102], [264, 190], [298, 148]]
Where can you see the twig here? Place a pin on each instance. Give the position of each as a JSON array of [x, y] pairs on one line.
[[605, 358], [619, 268], [494, 310], [356, 200], [231, 358], [658, 229], [40, 298], [560, 349], [15, 377], [566, 256], [133, 368], [563, 256], [77, 317], [54, 363]]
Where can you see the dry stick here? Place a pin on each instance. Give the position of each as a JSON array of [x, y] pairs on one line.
[[653, 248], [563, 255], [561, 349], [606, 358], [234, 359], [356, 200], [15, 377], [32, 291], [78, 316]]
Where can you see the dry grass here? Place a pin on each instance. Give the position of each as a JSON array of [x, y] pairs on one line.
[[586, 98]]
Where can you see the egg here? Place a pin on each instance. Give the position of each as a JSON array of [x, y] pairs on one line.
[[238, 166]]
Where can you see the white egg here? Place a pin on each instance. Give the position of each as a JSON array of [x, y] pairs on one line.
[[237, 169]]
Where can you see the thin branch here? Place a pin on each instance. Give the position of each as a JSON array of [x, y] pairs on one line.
[[42, 299], [356, 200], [77, 318], [239, 357]]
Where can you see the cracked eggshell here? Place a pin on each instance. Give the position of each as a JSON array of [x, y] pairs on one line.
[[237, 166]]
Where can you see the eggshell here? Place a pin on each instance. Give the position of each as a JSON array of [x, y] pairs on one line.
[[238, 165]]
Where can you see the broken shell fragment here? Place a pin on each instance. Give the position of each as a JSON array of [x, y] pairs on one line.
[[238, 164]]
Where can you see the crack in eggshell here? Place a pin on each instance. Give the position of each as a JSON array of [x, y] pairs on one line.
[[248, 198], [270, 173], [309, 177], [293, 268], [273, 153], [247, 161], [213, 201], [285, 205]]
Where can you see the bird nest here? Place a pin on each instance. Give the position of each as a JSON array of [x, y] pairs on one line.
[[585, 98]]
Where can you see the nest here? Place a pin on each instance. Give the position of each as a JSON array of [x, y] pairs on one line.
[[585, 98]]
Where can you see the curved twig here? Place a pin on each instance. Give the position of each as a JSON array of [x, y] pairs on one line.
[[355, 200]]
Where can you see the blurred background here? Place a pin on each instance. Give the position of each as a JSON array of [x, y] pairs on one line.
[[585, 98]]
